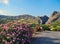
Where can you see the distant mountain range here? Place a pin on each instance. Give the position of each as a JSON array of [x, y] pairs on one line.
[[16, 17], [25, 16], [42, 19]]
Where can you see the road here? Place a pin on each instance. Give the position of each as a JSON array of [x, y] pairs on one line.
[[47, 37]]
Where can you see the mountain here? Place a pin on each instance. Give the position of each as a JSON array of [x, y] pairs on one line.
[[25, 16], [44, 19], [54, 17], [16, 17]]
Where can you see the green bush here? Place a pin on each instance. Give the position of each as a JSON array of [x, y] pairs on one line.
[[53, 29], [45, 27], [55, 25]]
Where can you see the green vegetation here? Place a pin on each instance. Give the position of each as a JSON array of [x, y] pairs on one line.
[[45, 27], [55, 26], [5, 21]]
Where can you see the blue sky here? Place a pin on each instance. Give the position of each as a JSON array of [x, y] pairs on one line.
[[31, 7]]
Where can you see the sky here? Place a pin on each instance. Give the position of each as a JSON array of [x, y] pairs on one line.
[[31, 7]]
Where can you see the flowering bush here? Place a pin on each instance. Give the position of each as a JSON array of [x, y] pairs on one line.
[[12, 33]]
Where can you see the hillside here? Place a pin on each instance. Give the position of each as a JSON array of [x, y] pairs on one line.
[[40, 19], [54, 17], [26, 17]]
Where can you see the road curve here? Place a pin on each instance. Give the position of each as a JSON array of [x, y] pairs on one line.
[[47, 37]]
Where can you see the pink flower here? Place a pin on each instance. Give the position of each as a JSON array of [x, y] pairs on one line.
[[8, 34], [0, 25], [11, 42], [3, 40], [0, 33], [13, 34], [20, 27], [5, 27]]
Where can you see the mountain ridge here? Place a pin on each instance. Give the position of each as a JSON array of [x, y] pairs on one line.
[[41, 19], [54, 17]]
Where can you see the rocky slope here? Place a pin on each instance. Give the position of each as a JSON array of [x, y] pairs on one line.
[[44, 19], [54, 17]]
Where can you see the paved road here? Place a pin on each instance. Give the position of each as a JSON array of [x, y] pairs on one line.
[[47, 37]]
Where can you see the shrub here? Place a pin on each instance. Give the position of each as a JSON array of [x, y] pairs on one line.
[[15, 33], [45, 27]]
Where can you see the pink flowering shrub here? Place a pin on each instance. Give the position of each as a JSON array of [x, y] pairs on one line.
[[11, 33]]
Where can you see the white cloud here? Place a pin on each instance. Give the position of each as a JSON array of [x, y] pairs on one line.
[[4, 1], [2, 12], [7, 13]]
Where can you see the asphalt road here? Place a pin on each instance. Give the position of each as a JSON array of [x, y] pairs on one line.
[[47, 37]]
